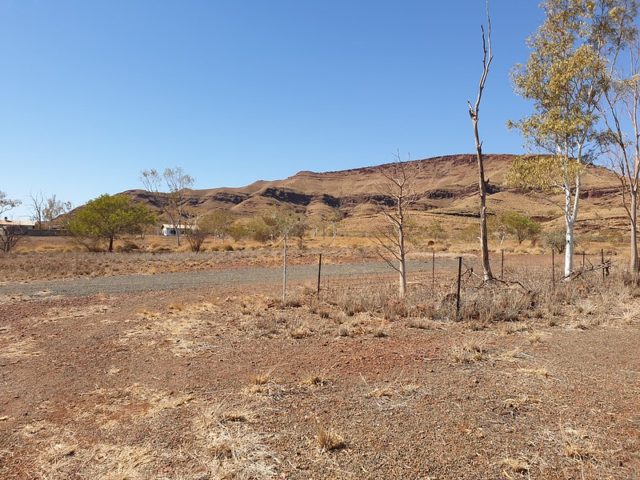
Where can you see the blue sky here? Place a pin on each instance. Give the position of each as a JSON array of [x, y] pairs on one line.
[[92, 92]]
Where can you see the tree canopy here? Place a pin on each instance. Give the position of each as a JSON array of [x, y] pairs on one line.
[[108, 217]]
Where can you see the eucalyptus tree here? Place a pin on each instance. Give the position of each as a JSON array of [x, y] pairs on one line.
[[564, 77]]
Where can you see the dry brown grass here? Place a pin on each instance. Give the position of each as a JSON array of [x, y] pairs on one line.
[[514, 465], [300, 330], [328, 440], [470, 351], [578, 444], [316, 380]]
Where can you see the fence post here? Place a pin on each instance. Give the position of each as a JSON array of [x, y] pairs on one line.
[[553, 268], [319, 271], [502, 264], [458, 290], [602, 262], [433, 269], [284, 271], [583, 259]]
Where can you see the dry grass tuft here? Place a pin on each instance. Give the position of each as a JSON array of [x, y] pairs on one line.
[[328, 440], [240, 416], [515, 465], [380, 333], [394, 389], [261, 378], [259, 383], [345, 331], [420, 324], [316, 380], [535, 337], [578, 445], [301, 330], [470, 351], [386, 391]]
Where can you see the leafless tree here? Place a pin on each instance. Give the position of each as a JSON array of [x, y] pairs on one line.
[[172, 202], [45, 210], [392, 238], [474, 113], [621, 102], [54, 208], [38, 204], [10, 235]]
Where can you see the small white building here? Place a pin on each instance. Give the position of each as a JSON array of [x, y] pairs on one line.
[[170, 230], [21, 225]]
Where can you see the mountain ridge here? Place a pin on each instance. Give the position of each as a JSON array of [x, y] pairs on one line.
[[445, 185]]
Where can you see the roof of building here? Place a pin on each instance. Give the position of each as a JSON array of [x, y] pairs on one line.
[[19, 223]]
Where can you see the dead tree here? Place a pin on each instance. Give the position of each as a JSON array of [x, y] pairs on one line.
[[622, 98], [10, 235], [38, 204], [392, 239], [173, 202], [474, 113]]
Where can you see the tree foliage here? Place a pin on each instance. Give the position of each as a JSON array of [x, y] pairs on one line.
[[520, 226], [542, 172], [564, 78], [271, 226], [108, 217], [216, 223]]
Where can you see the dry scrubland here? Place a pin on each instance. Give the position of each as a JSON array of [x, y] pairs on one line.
[[535, 383], [48, 258]]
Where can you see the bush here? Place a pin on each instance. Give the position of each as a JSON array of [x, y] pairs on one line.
[[520, 226], [556, 240]]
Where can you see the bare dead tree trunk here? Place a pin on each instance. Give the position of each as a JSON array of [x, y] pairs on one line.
[[474, 111], [392, 240], [402, 254], [633, 223], [626, 162]]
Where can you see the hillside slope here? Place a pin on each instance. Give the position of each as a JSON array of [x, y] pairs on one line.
[[446, 186]]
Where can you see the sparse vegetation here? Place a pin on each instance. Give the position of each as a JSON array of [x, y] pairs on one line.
[[107, 218]]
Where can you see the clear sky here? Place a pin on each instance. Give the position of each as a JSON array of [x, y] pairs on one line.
[[92, 92]]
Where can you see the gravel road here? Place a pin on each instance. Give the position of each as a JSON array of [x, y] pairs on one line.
[[203, 279]]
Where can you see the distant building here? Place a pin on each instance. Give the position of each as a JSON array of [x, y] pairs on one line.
[[170, 230], [23, 225]]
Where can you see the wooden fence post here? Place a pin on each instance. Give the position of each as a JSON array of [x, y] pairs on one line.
[[553, 268], [433, 269], [602, 263], [502, 264], [284, 272], [458, 290], [319, 270]]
